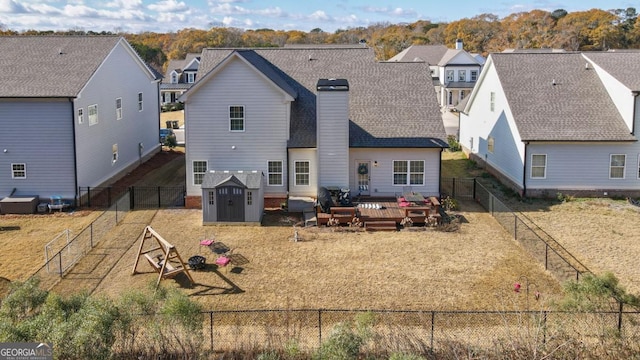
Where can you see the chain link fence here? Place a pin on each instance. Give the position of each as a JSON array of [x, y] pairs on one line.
[[58, 263]]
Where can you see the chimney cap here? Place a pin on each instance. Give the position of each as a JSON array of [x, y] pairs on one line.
[[332, 85]]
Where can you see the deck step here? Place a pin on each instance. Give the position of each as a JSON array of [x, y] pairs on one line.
[[380, 226]]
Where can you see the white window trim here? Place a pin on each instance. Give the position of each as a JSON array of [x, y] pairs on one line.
[[408, 173], [95, 116], [244, 118], [450, 72], [492, 104], [140, 102], [538, 166], [295, 172], [191, 77], [464, 78], [474, 75], [193, 172], [119, 109], [624, 167], [174, 77], [80, 116], [13, 171], [281, 173]]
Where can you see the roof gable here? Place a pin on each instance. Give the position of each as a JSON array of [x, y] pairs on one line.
[[458, 57], [244, 179], [624, 66], [52, 66], [432, 54], [553, 97]]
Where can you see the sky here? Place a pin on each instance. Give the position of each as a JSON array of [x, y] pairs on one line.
[[136, 16]]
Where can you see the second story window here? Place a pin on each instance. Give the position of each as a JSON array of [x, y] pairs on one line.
[[118, 108], [191, 77], [450, 75], [140, 101], [492, 105], [174, 78], [236, 118], [474, 75], [80, 116], [93, 114], [462, 75]]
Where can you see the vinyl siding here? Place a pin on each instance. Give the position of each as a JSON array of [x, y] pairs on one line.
[[381, 176], [303, 155], [333, 138], [120, 76], [38, 133], [207, 124], [584, 166]]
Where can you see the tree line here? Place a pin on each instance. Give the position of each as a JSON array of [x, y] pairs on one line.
[[592, 30]]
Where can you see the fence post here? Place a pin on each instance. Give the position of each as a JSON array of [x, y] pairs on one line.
[[620, 317], [544, 327], [319, 328], [433, 320], [453, 188], [91, 234], [159, 198], [132, 196], [88, 196], [515, 227], [474, 188], [60, 262], [211, 329], [546, 256], [109, 196]]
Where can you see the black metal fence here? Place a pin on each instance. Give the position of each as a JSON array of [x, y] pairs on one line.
[[411, 331], [58, 263], [536, 241], [141, 197]]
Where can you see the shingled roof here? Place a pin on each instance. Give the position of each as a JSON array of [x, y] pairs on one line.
[[554, 97], [50, 66], [431, 54], [624, 66], [390, 104]]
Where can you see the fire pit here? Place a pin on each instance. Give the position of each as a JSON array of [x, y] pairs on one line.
[[197, 262]]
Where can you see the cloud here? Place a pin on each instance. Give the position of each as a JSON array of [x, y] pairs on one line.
[[166, 6], [125, 4], [12, 7], [392, 12]]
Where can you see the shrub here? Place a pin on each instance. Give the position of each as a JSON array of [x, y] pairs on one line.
[[454, 145], [563, 198], [347, 339]]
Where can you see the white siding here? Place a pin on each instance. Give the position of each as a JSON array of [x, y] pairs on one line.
[[120, 76], [621, 95], [480, 122], [583, 166], [381, 176], [333, 138], [303, 155], [38, 133], [207, 124]]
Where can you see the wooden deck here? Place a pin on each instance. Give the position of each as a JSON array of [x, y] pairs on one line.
[[379, 211]]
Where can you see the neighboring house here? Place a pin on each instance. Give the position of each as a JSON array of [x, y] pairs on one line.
[[179, 77], [454, 71], [558, 122], [311, 117], [76, 111]]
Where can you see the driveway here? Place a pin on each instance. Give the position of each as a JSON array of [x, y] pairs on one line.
[[451, 122]]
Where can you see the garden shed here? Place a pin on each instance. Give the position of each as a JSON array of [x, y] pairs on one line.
[[232, 197]]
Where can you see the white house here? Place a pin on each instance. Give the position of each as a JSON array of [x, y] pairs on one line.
[[311, 117], [76, 111], [179, 76], [454, 71], [558, 122]]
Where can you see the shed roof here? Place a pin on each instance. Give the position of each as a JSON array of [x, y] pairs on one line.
[[248, 179]]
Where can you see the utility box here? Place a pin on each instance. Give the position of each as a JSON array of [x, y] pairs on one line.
[[19, 204]]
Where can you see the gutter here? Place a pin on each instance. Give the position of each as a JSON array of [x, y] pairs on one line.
[[633, 116], [524, 172], [75, 152]]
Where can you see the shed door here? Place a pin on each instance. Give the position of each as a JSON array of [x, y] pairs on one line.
[[230, 206]]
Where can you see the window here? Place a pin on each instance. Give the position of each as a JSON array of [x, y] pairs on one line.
[[93, 114], [80, 116], [236, 118], [139, 101], [450, 97], [408, 172], [474, 75], [212, 197], [302, 172], [493, 101], [174, 78], [638, 166], [249, 198], [118, 108], [616, 166], [462, 75], [19, 171], [450, 75], [538, 166], [199, 169], [461, 95], [191, 77], [490, 144], [275, 173], [114, 153]]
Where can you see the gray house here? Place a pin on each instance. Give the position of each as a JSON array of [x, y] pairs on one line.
[[558, 122], [76, 111], [312, 117]]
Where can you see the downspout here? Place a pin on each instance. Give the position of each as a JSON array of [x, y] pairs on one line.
[[633, 116], [75, 153], [440, 174], [524, 172]]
